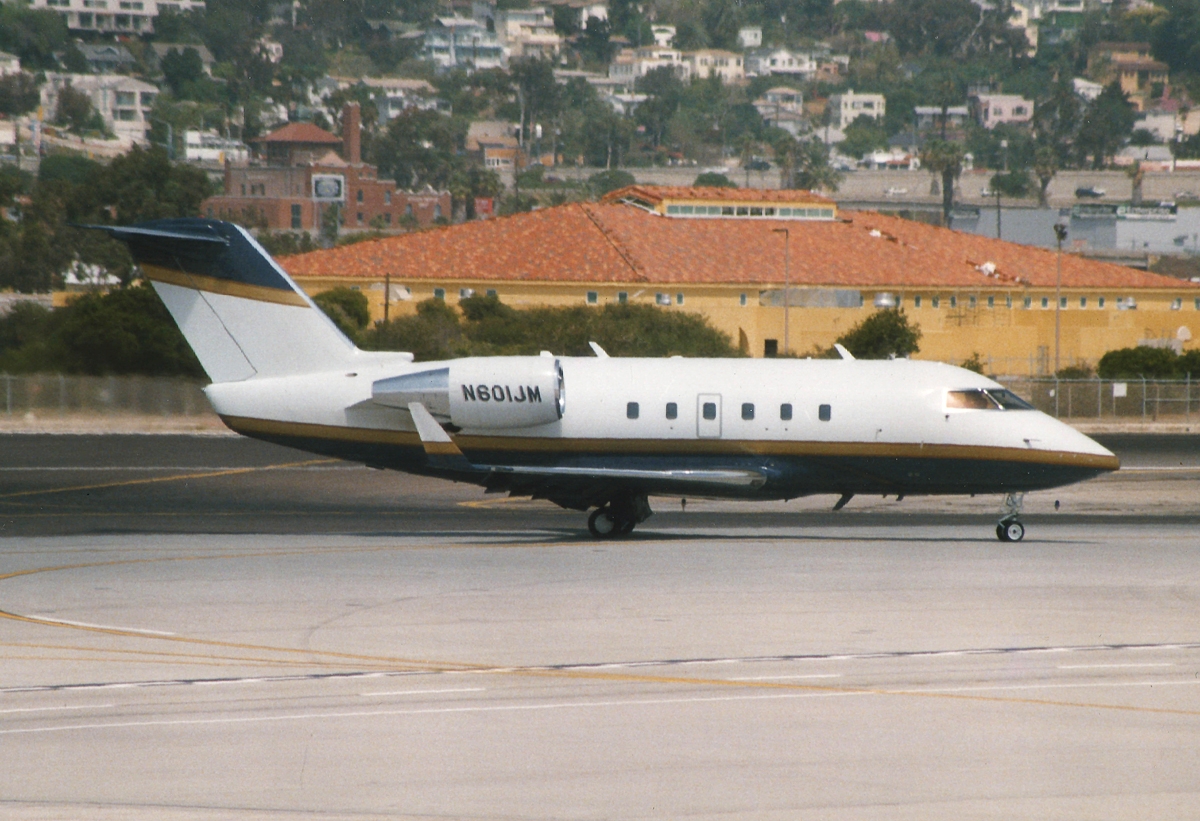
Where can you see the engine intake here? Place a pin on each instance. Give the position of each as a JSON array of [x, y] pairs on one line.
[[482, 392]]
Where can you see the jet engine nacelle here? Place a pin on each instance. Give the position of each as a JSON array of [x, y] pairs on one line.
[[482, 392]]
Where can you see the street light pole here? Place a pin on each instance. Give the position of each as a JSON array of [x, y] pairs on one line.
[[787, 287], [1060, 233]]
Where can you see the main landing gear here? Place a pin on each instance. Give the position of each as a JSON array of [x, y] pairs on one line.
[[1009, 528], [619, 517]]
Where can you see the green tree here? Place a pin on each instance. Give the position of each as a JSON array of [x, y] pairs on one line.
[[945, 159], [812, 169], [665, 91], [18, 94], [181, 69], [1137, 363], [604, 181], [419, 148], [882, 335], [144, 185], [1045, 167], [347, 308], [714, 180], [1014, 184], [34, 35], [74, 110], [1106, 124], [863, 136]]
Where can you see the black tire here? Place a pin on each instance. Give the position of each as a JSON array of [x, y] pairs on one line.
[[1014, 532], [602, 524], [1002, 532]]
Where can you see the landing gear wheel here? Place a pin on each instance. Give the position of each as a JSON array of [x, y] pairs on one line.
[[1010, 531], [602, 524]]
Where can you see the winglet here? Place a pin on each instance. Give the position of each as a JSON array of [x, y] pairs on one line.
[[842, 352], [600, 352], [440, 449]]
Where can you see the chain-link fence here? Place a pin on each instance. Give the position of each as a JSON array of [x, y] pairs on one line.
[[55, 394], [1129, 399]]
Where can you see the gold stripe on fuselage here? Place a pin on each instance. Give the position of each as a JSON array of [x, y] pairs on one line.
[[694, 447], [226, 287]]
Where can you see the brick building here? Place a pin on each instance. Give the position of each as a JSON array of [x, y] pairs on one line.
[[298, 178]]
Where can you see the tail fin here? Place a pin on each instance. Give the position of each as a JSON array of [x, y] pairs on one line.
[[241, 313]]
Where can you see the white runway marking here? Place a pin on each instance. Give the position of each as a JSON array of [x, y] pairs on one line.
[[785, 678], [576, 705], [427, 692], [101, 626], [1109, 666], [51, 709]]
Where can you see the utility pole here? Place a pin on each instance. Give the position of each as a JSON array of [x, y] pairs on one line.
[[787, 287], [1060, 234]]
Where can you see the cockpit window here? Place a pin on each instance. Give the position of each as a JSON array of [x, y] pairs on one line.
[[986, 399]]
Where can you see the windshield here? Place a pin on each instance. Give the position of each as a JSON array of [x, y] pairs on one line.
[[986, 399]]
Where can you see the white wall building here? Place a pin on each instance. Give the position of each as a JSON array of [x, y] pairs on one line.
[[117, 16], [630, 64], [209, 146], [9, 64], [664, 34], [992, 110], [750, 36], [463, 42], [708, 62], [528, 32], [764, 61], [123, 102], [847, 107]]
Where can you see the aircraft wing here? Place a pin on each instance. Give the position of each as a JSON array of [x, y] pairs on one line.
[[575, 487]]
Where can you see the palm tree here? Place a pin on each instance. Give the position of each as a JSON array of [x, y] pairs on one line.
[[945, 159], [1045, 166]]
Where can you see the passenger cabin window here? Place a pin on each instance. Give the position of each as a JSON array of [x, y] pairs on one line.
[[672, 410], [824, 413], [631, 410], [986, 399], [709, 410], [747, 410], [785, 412]]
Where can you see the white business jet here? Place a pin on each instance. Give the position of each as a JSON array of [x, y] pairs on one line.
[[595, 433]]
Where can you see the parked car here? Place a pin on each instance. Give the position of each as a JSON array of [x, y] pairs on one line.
[[1089, 192]]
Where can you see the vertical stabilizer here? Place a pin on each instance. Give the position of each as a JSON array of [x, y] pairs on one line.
[[240, 312]]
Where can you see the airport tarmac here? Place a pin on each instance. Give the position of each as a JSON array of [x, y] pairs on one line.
[[196, 630]]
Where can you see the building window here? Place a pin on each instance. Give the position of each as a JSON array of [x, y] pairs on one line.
[[622, 297], [709, 410], [742, 300], [770, 348], [1062, 302], [296, 216], [747, 411], [1008, 301], [672, 410], [824, 413], [935, 302], [991, 302], [1083, 302], [439, 293], [954, 301], [971, 301], [631, 410], [359, 217], [1197, 303], [678, 299], [1045, 302], [592, 297], [437, 211], [387, 218], [785, 412], [917, 301], [662, 299], [1028, 302], [408, 212], [1100, 302], [387, 197], [1176, 303]]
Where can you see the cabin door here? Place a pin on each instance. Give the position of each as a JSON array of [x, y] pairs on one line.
[[708, 416]]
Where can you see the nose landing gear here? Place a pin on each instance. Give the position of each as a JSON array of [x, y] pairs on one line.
[[1009, 528], [619, 517]]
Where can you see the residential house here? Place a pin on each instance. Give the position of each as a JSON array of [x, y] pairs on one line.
[[211, 147], [991, 110], [849, 106], [1129, 64], [783, 107], [106, 58], [710, 62], [584, 9], [494, 142], [1026, 16], [761, 62], [664, 35], [9, 64], [528, 32], [462, 42], [114, 16], [932, 117], [630, 64], [750, 37], [123, 102], [1058, 21]]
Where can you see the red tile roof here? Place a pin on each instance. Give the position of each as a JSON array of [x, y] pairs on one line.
[[588, 242], [300, 133]]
